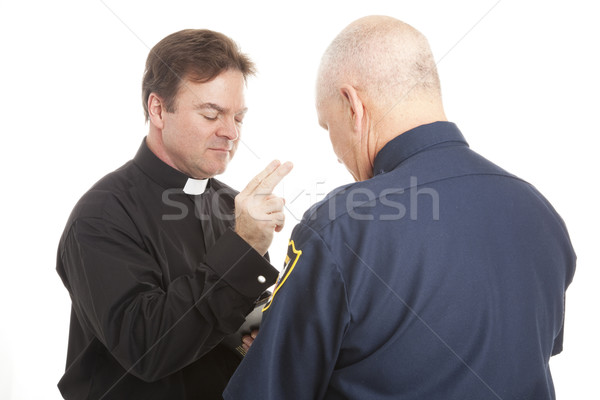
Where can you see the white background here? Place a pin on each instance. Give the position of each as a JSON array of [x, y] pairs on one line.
[[521, 83]]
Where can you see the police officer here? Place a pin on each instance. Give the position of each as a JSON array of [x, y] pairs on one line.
[[437, 275]]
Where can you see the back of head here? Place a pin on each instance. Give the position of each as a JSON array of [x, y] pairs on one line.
[[387, 59], [196, 54]]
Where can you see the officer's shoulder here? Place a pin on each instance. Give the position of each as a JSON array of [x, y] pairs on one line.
[[334, 206]]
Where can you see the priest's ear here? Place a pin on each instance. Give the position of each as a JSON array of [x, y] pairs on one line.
[[156, 110]]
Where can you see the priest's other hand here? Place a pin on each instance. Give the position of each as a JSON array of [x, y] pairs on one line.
[[258, 212], [247, 340]]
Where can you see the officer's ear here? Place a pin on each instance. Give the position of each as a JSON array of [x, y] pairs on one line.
[[156, 110], [354, 105]]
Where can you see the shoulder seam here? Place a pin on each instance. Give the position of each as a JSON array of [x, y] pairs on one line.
[[506, 175]]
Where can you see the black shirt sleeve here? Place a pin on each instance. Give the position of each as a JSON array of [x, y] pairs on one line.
[[151, 325], [228, 252]]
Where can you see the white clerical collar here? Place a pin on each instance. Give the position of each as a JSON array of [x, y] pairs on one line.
[[195, 186]]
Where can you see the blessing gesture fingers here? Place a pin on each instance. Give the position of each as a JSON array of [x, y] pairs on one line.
[[259, 213]]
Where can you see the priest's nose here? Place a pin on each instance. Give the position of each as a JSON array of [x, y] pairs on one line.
[[230, 130]]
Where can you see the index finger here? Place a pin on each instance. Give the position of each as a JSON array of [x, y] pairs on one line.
[[253, 184], [269, 183]]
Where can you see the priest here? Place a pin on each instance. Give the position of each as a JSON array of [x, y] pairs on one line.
[[160, 259]]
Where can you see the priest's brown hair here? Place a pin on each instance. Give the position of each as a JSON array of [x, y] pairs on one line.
[[199, 55]]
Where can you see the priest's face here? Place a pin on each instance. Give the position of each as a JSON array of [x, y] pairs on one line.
[[201, 135]]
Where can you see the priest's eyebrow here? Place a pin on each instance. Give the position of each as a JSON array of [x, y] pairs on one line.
[[211, 106], [218, 108]]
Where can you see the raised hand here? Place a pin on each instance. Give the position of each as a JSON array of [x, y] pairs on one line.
[[259, 213]]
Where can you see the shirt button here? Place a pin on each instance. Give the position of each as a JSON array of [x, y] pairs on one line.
[[261, 279]]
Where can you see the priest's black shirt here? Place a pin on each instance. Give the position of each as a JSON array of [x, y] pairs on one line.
[[157, 278]]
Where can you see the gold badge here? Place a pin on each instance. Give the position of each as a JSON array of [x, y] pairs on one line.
[[291, 259]]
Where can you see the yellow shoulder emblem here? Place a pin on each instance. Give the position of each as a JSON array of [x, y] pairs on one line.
[[291, 259]]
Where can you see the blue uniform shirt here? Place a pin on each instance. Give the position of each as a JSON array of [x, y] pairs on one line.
[[442, 277]]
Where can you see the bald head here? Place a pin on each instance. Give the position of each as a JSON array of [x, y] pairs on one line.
[[387, 59], [377, 80]]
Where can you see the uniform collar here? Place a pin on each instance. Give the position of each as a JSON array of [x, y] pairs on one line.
[[165, 175], [414, 141]]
